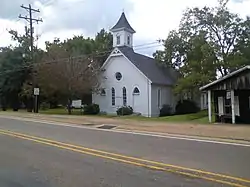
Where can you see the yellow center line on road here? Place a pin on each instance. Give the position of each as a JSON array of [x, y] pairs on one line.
[[135, 161]]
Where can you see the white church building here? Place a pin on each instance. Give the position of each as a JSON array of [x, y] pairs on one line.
[[132, 79]]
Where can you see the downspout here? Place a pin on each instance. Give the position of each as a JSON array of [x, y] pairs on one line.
[[148, 95]]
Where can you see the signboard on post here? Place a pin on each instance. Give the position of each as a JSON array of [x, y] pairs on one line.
[[228, 96], [77, 103], [36, 91], [36, 94]]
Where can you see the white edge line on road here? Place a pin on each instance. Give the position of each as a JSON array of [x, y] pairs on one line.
[[129, 132]]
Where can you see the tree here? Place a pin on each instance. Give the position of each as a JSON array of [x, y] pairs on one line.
[[66, 75], [222, 27], [174, 54], [71, 68], [242, 47], [71, 77], [16, 71], [103, 45], [199, 67], [12, 75], [210, 41]]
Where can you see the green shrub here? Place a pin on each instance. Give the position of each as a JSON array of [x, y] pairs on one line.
[[91, 109], [166, 110], [124, 110], [44, 106], [186, 107]]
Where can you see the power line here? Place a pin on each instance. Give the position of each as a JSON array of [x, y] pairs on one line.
[[94, 55], [65, 5], [48, 3], [25, 67], [147, 47], [140, 46], [151, 43]]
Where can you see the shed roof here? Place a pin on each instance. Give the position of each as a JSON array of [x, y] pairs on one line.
[[235, 73]]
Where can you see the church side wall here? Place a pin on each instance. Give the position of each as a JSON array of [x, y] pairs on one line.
[[131, 78], [161, 95]]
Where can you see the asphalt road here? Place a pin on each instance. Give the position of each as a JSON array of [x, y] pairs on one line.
[[27, 163]]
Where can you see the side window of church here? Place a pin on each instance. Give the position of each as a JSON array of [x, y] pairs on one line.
[[124, 96], [118, 40], [113, 96], [128, 40], [103, 92]]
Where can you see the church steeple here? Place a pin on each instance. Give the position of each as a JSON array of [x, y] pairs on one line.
[[122, 32]]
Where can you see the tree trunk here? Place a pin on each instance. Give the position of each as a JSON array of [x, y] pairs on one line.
[[15, 102], [69, 107], [29, 104], [4, 105]]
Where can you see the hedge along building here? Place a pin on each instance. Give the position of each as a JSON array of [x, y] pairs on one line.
[[132, 79], [230, 96]]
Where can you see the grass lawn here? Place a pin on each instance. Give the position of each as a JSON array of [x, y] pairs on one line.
[[200, 117]]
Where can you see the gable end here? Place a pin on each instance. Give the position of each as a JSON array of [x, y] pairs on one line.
[[117, 52]]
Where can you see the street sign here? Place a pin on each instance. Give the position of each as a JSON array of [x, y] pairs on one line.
[[36, 91]]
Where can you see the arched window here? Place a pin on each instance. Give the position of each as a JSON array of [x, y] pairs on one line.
[[113, 96], [103, 92], [136, 91], [124, 96], [118, 39], [128, 40]]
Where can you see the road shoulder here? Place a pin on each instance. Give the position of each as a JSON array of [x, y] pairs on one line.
[[221, 133]]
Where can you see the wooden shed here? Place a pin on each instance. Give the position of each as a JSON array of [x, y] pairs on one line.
[[230, 96]]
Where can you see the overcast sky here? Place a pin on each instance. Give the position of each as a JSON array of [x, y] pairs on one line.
[[64, 18]]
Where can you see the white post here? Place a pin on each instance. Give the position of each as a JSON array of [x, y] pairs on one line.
[[232, 106], [209, 106]]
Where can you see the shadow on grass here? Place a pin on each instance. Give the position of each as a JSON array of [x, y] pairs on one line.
[[200, 117]]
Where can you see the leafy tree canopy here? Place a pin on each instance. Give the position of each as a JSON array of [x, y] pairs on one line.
[[210, 41], [19, 72]]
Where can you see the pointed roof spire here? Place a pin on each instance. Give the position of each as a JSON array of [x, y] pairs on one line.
[[123, 24]]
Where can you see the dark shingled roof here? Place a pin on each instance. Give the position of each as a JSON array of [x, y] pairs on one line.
[[149, 67], [123, 23]]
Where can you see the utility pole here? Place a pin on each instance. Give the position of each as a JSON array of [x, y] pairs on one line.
[[30, 31]]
